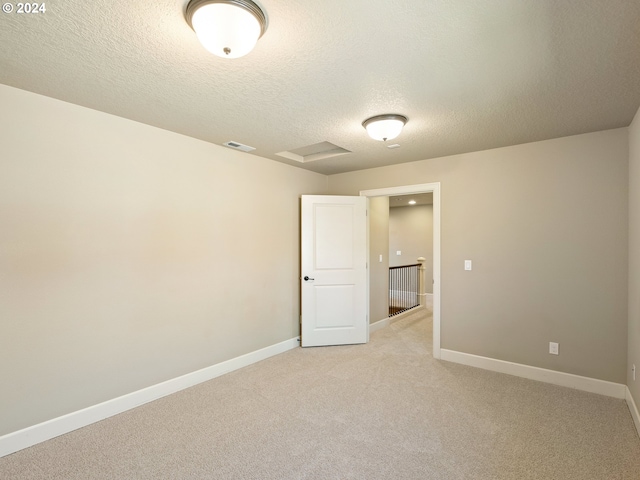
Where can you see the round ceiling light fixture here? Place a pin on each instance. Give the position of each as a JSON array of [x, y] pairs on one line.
[[226, 28], [385, 127]]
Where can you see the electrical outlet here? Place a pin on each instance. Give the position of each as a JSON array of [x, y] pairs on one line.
[[553, 348]]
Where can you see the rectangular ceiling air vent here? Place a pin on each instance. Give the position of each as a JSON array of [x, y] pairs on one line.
[[317, 151], [238, 146]]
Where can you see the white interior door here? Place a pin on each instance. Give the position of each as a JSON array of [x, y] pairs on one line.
[[334, 270]]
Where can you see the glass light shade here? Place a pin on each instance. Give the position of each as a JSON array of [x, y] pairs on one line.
[[384, 127], [226, 29]]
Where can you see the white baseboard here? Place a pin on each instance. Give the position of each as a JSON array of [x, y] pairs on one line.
[[41, 432], [633, 408], [385, 322], [578, 382], [428, 300]]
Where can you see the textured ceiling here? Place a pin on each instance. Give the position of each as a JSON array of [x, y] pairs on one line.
[[470, 75], [403, 200]]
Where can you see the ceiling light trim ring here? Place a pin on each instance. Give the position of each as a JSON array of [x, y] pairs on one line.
[[247, 5], [385, 127], [386, 116]]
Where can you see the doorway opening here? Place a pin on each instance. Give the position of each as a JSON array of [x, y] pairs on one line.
[[434, 189], [410, 252]]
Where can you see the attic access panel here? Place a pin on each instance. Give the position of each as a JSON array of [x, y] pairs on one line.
[[311, 153]]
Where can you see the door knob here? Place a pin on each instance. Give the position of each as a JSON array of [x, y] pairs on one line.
[[306, 278]]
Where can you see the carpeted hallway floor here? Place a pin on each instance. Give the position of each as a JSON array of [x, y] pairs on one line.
[[385, 410]]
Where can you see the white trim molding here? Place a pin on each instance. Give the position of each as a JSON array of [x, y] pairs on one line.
[[633, 408], [428, 300], [385, 322], [587, 384], [423, 188], [12, 442]]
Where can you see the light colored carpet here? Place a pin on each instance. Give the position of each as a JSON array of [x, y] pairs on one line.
[[385, 410]]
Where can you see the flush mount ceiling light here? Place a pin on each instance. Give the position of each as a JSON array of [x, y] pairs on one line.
[[385, 127], [227, 28]]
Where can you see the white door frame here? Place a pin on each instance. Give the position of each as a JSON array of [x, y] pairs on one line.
[[415, 189]]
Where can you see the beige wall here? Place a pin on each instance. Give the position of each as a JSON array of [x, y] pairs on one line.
[[634, 258], [546, 227], [130, 255], [411, 232], [379, 271]]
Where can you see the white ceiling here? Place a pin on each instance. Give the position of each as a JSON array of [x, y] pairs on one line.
[[403, 200], [469, 74]]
